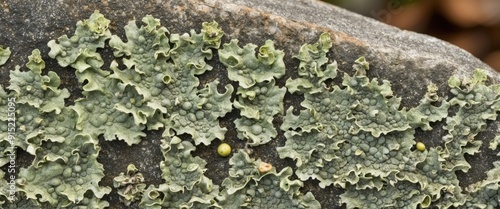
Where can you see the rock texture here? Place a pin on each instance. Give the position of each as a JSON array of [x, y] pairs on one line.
[[292, 23], [409, 61]]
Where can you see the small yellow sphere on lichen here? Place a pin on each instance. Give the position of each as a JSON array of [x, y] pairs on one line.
[[420, 146], [224, 150]]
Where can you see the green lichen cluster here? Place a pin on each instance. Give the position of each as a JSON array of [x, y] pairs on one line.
[[246, 187], [65, 171], [153, 83], [130, 185], [357, 137], [185, 184], [258, 97], [353, 135]]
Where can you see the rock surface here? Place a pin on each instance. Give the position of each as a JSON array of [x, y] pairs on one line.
[[410, 61]]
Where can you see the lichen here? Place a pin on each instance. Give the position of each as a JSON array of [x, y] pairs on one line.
[[4, 54], [249, 70], [131, 185], [96, 114], [259, 99], [312, 70], [180, 170], [185, 185], [166, 78], [62, 173], [202, 195], [358, 138], [247, 187], [426, 111], [345, 134], [477, 103], [103, 96], [144, 55], [485, 194], [258, 105], [427, 183], [403, 195], [90, 34], [36, 90], [38, 102], [352, 134]]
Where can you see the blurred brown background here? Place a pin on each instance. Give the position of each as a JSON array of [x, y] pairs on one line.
[[473, 25]]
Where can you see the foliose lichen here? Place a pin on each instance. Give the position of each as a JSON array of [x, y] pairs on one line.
[[356, 137], [259, 99], [166, 78], [353, 135], [4, 54], [485, 193], [131, 185], [258, 105], [345, 135], [185, 184], [248, 188]]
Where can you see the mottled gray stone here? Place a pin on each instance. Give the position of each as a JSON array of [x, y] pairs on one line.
[[409, 60], [377, 36]]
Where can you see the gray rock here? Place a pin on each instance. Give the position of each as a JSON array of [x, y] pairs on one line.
[[409, 60]]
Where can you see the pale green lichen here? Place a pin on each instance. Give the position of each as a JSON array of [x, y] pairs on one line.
[[7, 107], [37, 90], [80, 51], [90, 34], [258, 105], [212, 34], [185, 185], [38, 100], [63, 173], [330, 140], [352, 135], [494, 143], [374, 109], [97, 114], [104, 97], [427, 112], [4, 54], [202, 195], [314, 68], [46, 129], [247, 69], [259, 99], [199, 116], [424, 185], [248, 188], [180, 170], [243, 170], [437, 182], [403, 195], [477, 103], [130, 186], [166, 79], [486, 193], [4, 190], [346, 134], [146, 52]]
